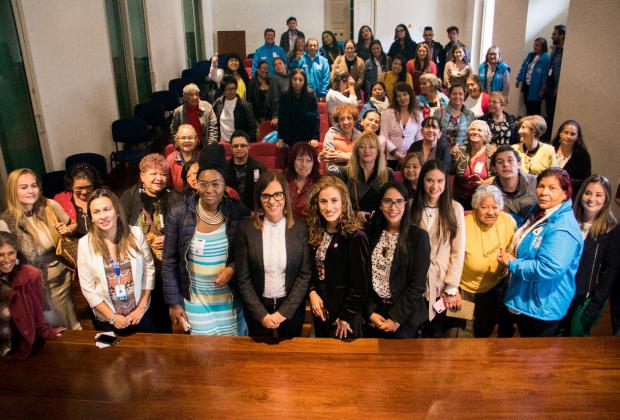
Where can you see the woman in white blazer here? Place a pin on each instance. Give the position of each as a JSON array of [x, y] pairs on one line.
[[116, 269]]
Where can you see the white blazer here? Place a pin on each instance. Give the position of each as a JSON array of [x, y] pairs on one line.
[[92, 276]]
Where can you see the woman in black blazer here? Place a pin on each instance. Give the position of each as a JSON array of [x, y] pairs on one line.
[[273, 267], [400, 257], [341, 269], [599, 266], [571, 153]]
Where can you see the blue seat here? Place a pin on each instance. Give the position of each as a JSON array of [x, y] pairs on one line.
[[53, 183], [193, 75], [134, 135], [153, 113], [167, 98], [95, 160], [176, 86]]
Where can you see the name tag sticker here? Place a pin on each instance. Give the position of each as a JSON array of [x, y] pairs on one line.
[[120, 292], [479, 167], [256, 174], [198, 246], [274, 54]]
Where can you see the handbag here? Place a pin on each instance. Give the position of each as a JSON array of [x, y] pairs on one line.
[[67, 249]]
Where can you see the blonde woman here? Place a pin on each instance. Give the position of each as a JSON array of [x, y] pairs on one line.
[[38, 224], [341, 269], [365, 174], [116, 269], [536, 156]]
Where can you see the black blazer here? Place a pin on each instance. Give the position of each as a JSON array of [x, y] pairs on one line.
[[578, 167], [598, 268], [442, 152], [298, 118], [250, 271], [247, 197], [407, 279], [347, 274]]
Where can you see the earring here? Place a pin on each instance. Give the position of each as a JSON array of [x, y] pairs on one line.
[[16, 261]]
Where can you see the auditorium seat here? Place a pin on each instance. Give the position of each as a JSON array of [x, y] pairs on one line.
[[268, 154], [168, 98], [323, 126], [247, 62], [132, 133], [398, 176], [319, 149], [322, 108], [263, 129], [227, 149], [169, 149], [95, 160]]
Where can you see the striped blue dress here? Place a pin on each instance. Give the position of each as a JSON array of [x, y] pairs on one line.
[[211, 309]]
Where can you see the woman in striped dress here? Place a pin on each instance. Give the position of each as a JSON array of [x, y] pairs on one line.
[[199, 254]]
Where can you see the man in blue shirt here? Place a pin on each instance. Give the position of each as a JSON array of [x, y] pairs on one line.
[[268, 52], [316, 67]]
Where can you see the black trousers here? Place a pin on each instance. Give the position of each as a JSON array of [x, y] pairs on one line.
[[147, 325], [528, 326], [532, 107], [290, 328]]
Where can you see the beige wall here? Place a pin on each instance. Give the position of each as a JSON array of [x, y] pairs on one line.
[[68, 43], [166, 40], [588, 92]]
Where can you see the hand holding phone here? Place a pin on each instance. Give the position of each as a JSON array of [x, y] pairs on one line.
[[439, 306]]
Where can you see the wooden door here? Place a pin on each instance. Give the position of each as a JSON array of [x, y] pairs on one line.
[[338, 18], [229, 42]]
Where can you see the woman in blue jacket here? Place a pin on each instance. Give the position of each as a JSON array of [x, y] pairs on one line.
[[533, 74], [494, 73], [548, 250]]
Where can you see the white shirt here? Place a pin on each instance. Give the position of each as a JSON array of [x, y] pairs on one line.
[[274, 258], [227, 119], [335, 98], [475, 105]]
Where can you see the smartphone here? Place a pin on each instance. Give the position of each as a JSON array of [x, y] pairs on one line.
[[439, 306], [107, 339]]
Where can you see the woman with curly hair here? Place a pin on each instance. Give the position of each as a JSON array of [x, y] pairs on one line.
[[341, 268]]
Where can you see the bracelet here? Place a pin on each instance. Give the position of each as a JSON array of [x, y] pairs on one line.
[[112, 319]]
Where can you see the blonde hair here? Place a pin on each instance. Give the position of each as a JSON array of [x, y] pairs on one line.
[[536, 123], [353, 166], [124, 238], [347, 224], [344, 108], [44, 218]]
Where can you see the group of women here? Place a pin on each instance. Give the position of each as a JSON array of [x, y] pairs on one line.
[[489, 226]]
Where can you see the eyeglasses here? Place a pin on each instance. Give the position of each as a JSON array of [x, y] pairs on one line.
[[240, 146], [278, 196], [204, 185], [85, 188], [388, 202]]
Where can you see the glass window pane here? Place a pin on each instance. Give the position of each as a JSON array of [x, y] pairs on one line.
[[117, 48], [190, 32], [135, 9], [198, 27], [19, 139]]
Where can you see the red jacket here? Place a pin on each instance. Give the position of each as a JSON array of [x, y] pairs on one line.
[[26, 307], [64, 199]]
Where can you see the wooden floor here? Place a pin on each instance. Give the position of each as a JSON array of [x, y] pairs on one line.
[[179, 376]]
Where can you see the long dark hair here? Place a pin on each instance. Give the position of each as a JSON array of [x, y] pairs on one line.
[[384, 58], [408, 40], [299, 149], [413, 102], [402, 76], [359, 35], [304, 95], [378, 222], [579, 144], [447, 220], [242, 72], [419, 65], [335, 49]]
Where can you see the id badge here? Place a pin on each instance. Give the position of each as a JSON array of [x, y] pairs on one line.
[[274, 54], [256, 174], [121, 293], [478, 167], [198, 246]]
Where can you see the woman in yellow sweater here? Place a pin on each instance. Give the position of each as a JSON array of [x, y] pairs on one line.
[[487, 229], [396, 74], [536, 156]]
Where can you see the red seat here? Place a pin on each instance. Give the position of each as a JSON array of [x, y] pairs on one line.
[[169, 149], [268, 154], [398, 176], [249, 72], [322, 108], [247, 62], [319, 149], [227, 149], [323, 126], [263, 129], [232, 193]]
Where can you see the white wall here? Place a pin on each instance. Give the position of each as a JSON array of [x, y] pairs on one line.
[[508, 32], [255, 16], [542, 16], [166, 40], [68, 43], [416, 14], [587, 92]]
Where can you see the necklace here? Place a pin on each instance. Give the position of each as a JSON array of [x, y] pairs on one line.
[[210, 220]]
